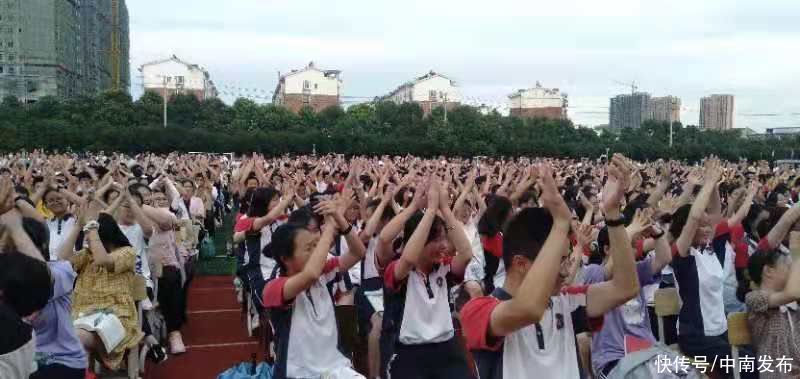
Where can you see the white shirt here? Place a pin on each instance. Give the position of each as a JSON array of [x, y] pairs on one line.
[[59, 233], [314, 319], [426, 318], [556, 357], [476, 266], [268, 264], [135, 236]]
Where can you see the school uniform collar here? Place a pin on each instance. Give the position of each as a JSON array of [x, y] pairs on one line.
[[791, 307]]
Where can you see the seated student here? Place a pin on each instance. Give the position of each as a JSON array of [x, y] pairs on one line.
[[300, 303], [25, 287], [700, 263], [369, 294], [105, 275], [525, 327], [774, 315], [265, 215], [630, 321], [488, 259], [58, 349], [417, 292]]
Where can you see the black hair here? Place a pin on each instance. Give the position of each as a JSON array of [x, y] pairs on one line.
[[598, 250], [259, 201], [749, 221], [138, 196], [302, 217], [25, 283], [281, 246], [107, 195], [525, 234], [755, 270], [763, 227], [110, 234], [135, 187], [38, 234], [679, 219], [496, 214], [244, 202], [388, 212], [437, 228]]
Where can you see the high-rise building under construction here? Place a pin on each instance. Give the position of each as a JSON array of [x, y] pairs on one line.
[[63, 48]]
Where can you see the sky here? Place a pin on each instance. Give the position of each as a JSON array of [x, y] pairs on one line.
[[586, 48]]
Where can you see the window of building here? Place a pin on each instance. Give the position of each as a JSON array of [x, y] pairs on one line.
[[179, 79], [315, 86], [10, 44], [12, 57], [432, 95], [306, 84], [1, 69], [11, 70], [1, 57]]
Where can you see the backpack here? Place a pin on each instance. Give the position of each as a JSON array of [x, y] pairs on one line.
[[653, 363]]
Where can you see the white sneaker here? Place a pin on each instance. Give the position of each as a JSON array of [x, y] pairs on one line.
[[176, 343]]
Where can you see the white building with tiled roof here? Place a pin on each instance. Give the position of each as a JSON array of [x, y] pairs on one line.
[[430, 91], [173, 75]]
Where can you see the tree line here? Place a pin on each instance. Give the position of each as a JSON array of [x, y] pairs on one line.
[[114, 122]]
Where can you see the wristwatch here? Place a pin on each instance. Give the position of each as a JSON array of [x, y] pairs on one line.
[[348, 230], [618, 222]]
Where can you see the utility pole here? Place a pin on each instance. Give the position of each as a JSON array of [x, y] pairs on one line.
[[444, 98], [164, 79], [670, 135]]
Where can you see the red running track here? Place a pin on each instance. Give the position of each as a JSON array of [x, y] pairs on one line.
[[215, 336]]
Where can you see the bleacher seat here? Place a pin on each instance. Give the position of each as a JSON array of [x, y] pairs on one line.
[[667, 303], [738, 335]]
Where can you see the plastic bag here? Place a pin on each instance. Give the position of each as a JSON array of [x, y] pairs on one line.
[[245, 370], [207, 248]]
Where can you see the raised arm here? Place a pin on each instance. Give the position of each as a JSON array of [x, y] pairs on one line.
[[778, 232], [624, 284], [465, 191], [315, 264], [791, 291], [661, 188], [384, 250], [12, 220], [412, 250], [744, 209], [711, 176], [28, 210], [163, 218], [144, 222], [534, 293], [275, 212], [663, 255], [356, 249], [375, 219], [455, 234]]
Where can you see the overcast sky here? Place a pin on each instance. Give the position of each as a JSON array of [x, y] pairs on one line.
[[680, 47]]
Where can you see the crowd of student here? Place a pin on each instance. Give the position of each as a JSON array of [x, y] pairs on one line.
[[457, 268]]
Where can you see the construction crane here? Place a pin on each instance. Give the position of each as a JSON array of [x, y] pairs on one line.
[[115, 53], [632, 84]]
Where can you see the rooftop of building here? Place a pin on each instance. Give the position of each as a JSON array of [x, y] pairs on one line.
[[429, 75], [174, 58]]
